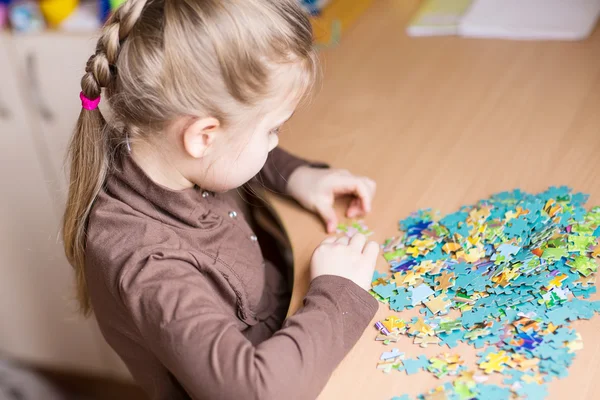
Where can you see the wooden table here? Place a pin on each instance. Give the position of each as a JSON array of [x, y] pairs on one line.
[[442, 122]]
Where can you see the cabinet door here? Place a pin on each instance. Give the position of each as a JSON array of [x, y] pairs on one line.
[[50, 67], [39, 324]]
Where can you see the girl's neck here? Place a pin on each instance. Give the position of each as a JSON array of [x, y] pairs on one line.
[[158, 166]]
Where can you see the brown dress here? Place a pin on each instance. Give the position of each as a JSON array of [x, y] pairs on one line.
[[183, 294]]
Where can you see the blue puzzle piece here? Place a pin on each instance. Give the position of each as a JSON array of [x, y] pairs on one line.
[[555, 191], [578, 213], [584, 292], [412, 366], [391, 354], [579, 198], [595, 305], [462, 269], [463, 280], [533, 391], [425, 311], [523, 256], [479, 343], [518, 227], [436, 253], [463, 230], [507, 251], [475, 316], [511, 314], [559, 316], [451, 339], [492, 392], [377, 275], [581, 308], [420, 293], [546, 351], [451, 221], [400, 301], [479, 284], [514, 376], [560, 336], [385, 291], [485, 301]]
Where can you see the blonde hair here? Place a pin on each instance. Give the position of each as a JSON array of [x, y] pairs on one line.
[[161, 59]]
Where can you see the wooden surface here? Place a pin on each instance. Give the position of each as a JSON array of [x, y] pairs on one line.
[[442, 122]]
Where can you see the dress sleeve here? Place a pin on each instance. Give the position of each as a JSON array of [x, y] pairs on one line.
[[186, 324], [279, 167]]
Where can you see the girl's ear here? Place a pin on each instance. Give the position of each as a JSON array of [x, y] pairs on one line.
[[199, 136]]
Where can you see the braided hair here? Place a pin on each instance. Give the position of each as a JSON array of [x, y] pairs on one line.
[[157, 60]]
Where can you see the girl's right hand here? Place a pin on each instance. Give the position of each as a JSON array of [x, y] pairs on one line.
[[353, 259]]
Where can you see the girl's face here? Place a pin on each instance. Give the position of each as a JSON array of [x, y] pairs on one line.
[[239, 153]]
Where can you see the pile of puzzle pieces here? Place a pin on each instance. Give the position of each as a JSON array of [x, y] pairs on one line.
[[471, 386], [515, 270]]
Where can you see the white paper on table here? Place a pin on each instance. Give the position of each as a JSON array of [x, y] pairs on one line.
[[531, 19]]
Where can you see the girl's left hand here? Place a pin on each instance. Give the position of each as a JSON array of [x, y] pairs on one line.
[[316, 189]]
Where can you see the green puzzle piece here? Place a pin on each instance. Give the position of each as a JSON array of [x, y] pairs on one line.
[[584, 265], [580, 244], [554, 253]]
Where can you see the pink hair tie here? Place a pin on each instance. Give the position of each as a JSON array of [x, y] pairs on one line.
[[89, 104]]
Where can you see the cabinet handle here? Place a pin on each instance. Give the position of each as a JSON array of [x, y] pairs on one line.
[[4, 110], [36, 92]]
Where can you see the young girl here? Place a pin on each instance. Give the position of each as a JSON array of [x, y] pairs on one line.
[[163, 252]]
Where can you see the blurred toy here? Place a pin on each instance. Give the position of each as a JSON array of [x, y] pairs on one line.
[[83, 19], [103, 9], [313, 7], [56, 11], [3, 15], [4, 12], [335, 19], [108, 6], [25, 16], [114, 4]]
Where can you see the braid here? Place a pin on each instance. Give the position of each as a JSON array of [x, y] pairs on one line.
[[90, 146], [159, 61], [98, 69]]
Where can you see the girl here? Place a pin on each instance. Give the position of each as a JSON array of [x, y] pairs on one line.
[[163, 252]]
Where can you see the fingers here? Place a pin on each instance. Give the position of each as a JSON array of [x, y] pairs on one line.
[[358, 242], [343, 240], [371, 184], [371, 250], [362, 188], [370, 187], [327, 213], [342, 182], [362, 193], [329, 240], [354, 209]]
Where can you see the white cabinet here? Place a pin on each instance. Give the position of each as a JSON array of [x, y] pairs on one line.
[[50, 66], [38, 322]]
